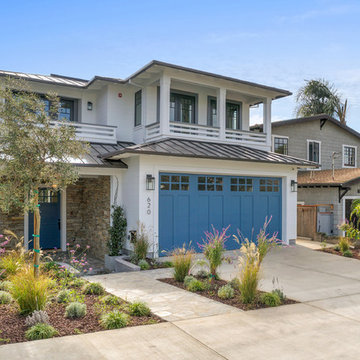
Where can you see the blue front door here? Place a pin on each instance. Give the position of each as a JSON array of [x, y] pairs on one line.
[[49, 201], [191, 204]]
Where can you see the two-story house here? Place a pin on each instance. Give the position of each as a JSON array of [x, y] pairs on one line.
[[335, 147], [172, 146]]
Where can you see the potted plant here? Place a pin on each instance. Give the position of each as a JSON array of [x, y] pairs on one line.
[[117, 236]]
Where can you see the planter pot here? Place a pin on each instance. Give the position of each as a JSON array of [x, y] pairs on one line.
[[110, 262]]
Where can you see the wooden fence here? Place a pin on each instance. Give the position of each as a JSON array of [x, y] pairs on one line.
[[306, 221]]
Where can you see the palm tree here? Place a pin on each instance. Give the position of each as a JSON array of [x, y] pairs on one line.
[[320, 97]]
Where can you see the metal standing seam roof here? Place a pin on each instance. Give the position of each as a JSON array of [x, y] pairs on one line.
[[208, 150], [94, 157]]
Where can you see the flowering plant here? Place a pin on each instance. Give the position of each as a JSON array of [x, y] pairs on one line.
[[78, 258], [213, 247]]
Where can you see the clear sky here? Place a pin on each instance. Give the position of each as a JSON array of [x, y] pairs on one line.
[[277, 43]]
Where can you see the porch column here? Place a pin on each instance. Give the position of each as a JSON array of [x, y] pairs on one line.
[[267, 121], [221, 106], [164, 104]]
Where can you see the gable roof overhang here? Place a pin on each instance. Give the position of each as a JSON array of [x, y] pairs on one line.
[[207, 150]]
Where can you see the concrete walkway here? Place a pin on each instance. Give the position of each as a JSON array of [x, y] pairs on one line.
[[326, 325]]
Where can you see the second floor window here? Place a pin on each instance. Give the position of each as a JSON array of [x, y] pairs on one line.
[[182, 108], [233, 116], [281, 145], [212, 112], [349, 154], [66, 109], [314, 151], [137, 108]]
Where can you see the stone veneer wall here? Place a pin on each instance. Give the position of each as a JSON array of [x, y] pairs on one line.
[[13, 221], [88, 214]]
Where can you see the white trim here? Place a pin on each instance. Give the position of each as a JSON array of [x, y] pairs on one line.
[[307, 149], [273, 141], [343, 153]]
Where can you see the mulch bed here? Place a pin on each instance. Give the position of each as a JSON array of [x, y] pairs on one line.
[[355, 252], [235, 301], [12, 325]]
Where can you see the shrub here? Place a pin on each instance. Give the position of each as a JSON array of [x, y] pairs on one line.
[[94, 288], [117, 231], [78, 282], [337, 248], [50, 265], [347, 253], [188, 279], [114, 320], [264, 241], [249, 265], [29, 292], [195, 285], [63, 296], [213, 247], [111, 300], [37, 317], [182, 260], [5, 297], [167, 264], [270, 299], [234, 283], [202, 274], [144, 265], [344, 244], [40, 331], [75, 310], [139, 308], [5, 285], [226, 292], [280, 294], [141, 243]]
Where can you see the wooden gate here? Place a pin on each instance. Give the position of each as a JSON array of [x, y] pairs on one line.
[[306, 221]]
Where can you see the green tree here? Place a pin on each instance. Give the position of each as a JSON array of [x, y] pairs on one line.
[[34, 154], [320, 97], [117, 231]]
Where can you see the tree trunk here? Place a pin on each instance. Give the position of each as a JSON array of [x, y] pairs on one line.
[[36, 236]]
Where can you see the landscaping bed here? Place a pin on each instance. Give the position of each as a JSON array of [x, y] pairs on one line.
[[355, 252], [212, 293]]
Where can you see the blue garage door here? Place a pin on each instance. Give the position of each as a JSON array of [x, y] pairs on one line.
[[191, 204]]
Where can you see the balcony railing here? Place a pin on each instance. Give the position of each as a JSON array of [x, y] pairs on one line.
[[90, 132], [200, 132]]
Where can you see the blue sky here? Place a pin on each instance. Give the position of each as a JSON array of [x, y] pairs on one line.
[[277, 43]]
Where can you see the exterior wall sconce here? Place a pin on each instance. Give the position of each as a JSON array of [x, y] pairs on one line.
[[150, 182], [89, 105], [294, 186]]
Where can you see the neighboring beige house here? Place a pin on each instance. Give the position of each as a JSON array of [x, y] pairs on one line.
[[335, 147]]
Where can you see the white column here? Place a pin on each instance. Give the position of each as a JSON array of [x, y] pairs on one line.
[[267, 121], [63, 220], [164, 104], [221, 111]]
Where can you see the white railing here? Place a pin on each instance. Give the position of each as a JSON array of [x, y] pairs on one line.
[[91, 132], [152, 131], [194, 130], [246, 137]]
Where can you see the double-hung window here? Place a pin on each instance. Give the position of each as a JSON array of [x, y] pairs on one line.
[[314, 151], [137, 119], [349, 156], [233, 116], [182, 108], [281, 145]]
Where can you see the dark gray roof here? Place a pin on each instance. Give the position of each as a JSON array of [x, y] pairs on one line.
[[95, 156], [208, 150], [320, 117], [75, 82]]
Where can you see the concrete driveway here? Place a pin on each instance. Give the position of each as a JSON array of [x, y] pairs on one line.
[[326, 325]]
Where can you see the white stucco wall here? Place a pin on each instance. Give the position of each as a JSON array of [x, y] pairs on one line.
[[143, 205]]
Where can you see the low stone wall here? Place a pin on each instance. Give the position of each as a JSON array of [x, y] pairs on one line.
[[14, 222], [88, 214]]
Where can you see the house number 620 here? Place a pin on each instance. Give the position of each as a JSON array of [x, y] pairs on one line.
[[148, 206]]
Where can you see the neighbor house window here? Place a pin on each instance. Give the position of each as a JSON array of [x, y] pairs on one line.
[[349, 156], [233, 116], [66, 109], [212, 112], [314, 151], [182, 108], [138, 108], [281, 145]]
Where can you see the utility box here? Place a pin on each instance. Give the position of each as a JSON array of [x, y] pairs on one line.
[[325, 219]]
